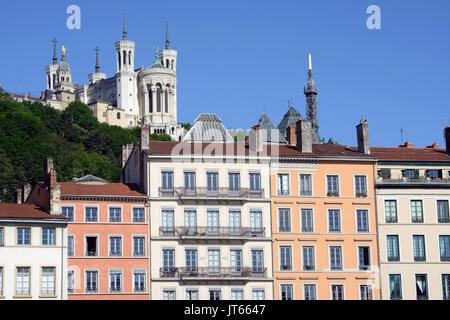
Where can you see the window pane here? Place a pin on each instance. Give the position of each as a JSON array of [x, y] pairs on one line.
[[390, 208], [393, 248], [416, 211], [362, 219], [284, 220], [443, 211], [305, 185], [334, 220], [395, 286], [307, 220]]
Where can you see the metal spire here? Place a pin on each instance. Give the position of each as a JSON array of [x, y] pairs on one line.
[[311, 103], [167, 35], [125, 26], [97, 66], [55, 58]]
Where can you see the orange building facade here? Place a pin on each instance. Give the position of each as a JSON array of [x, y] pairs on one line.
[[324, 224]]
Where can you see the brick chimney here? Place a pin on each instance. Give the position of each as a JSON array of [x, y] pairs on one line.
[[256, 139], [145, 138], [447, 140], [304, 136], [290, 136], [362, 132]]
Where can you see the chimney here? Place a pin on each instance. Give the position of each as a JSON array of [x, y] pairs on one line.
[[26, 192], [48, 167], [256, 139], [447, 140], [126, 151], [145, 138], [304, 136], [54, 194], [290, 136], [362, 131], [19, 199]]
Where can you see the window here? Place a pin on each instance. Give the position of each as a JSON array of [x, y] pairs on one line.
[[444, 245], [361, 186], [416, 211], [115, 281], [334, 221], [305, 185], [443, 212], [337, 292], [191, 261], [167, 180], [258, 294], [366, 292], [333, 186], [213, 262], [138, 214], [446, 286], [390, 210], [190, 221], [283, 184], [421, 287], [23, 281], [235, 222], [192, 294], [48, 236], [256, 227], [419, 248], [234, 183], [362, 220], [68, 213], [189, 183], [91, 214], [237, 294], [364, 258], [309, 291], [393, 251], [169, 294], [2, 237], [257, 261], [213, 221], [48, 281], [336, 258], [70, 281], [115, 246], [168, 223], [287, 292], [138, 246], [395, 286], [255, 181], [115, 215], [215, 294], [139, 281], [410, 174], [434, 174], [284, 216], [70, 246], [307, 220], [168, 261], [285, 258], [23, 236], [212, 183], [1, 282], [308, 259], [91, 246], [236, 260]]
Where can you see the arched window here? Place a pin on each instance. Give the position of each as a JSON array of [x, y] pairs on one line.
[[49, 83], [166, 102], [62, 79], [120, 60], [173, 63], [150, 92], [129, 58], [54, 79], [124, 58], [118, 115], [167, 63], [158, 97]]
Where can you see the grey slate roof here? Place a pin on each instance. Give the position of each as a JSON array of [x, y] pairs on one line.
[[272, 134], [64, 65], [208, 127], [90, 179], [290, 119]]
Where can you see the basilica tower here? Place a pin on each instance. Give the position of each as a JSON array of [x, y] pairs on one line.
[[311, 104]]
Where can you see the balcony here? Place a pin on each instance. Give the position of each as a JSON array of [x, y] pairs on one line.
[[212, 232], [423, 182], [207, 193], [239, 273]]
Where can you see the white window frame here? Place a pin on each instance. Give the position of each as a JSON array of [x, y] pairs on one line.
[[368, 220], [299, 184]]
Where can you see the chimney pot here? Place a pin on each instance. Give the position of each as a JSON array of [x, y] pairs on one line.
[[145, 138], [362, 132]]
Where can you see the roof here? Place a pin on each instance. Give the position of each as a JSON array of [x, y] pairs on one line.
[[63, 65], [290, 119], [208, 127], [409, 154], [167, 148], [90, 179], [26, 211], [272, 134], [105, 190]]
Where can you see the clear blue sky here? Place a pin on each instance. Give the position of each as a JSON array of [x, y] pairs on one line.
[[238, 57]]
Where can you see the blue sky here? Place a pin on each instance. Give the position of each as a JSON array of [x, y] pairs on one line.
[[239, 58]]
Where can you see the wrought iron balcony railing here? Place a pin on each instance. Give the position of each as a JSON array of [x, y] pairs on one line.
[[212, 232], [213, 193], [213, 272]]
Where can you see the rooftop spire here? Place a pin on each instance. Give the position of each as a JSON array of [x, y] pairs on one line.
[[167, 35], [311, 103], [125, 26], [55, 59], [97, 66]]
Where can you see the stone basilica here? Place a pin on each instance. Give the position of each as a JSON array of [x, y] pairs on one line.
[[132, 97]]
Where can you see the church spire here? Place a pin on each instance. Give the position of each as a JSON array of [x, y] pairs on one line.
[[311, 103], [167, 35], [55, 58], [125, 34], [97, 65]]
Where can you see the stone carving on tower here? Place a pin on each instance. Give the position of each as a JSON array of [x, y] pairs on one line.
[[311, 104]]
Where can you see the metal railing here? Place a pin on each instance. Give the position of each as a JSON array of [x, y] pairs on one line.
[[213, 193], [213, 272], [381, 180], [212, 232]]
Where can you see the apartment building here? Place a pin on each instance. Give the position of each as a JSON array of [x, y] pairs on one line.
[[413, 195], [210, 212], [107, 239], [324, 219]]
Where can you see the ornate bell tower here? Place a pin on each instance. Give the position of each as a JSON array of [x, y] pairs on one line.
[[311, 104]]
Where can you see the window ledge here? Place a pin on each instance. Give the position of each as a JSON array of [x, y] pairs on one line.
[[22, 297], [48, 296]]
